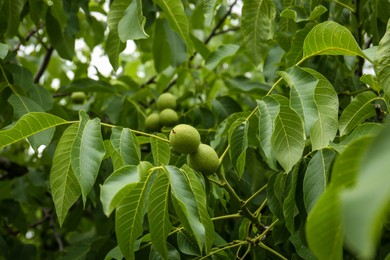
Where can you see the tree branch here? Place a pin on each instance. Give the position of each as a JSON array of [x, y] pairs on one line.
[[44, 65]]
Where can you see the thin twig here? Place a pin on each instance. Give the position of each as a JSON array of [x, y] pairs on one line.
[[44, 64]]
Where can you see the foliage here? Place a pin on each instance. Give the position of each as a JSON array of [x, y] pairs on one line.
[[292, 95]]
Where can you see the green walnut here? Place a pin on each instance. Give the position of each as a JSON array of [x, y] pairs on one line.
[[204, 160], [152, 122], [184, 139], [78, 97], [166, 100], [168, 117]]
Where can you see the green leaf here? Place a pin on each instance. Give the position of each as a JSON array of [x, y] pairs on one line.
[[177, 18], [87, 153], [197, 186], [126, 146], [238, 140], [130, 213], [114, 253], [325, 128], [295, 52], [331, 38], [12, 10], [28, 125], [113, 48], [117, 186], [382, 61], [302, 87], [223, 52], [187, 243], [209, 10], [298, 13], [23, 105], [178, 52], [357, 111], [365, 205], [268, 109], [185, 204], [363, 130], [161, 49], [324, 231], [131, 25], [288, 140], [257, 25], [64, 186], [62, 42], [290, 209], [3, 50], [161, 150], [57, 10], [372, 81], [276, 193], [347, 164], [158, 214], [316, 177]]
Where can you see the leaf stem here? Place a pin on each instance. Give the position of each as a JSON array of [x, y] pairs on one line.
[[257, 212], [272, 251], [254, 195], [228, 246], [236, 215], [345, 6], [139, 132], [245, 211], [6, 79]]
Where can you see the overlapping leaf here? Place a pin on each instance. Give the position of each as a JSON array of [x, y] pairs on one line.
[[174, 12], [316, 177], [185, 204], [257, 25], [323, 228], [131, 25], [331, 38], [114, 46], [223, 52], [158, 215], [325, 128], [126, 147], [357, 111], [238, 140], [268, 109], [382, 61], [65, 189], [365, 205], [160, 150], [28, 125], [130, 214], [12, 10], [23, 105], [290, 209], [117, 186], [302, 87], [87, 153], [200, 195], [288, 140]]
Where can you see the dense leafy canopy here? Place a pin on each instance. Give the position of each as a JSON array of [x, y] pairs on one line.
[[292, 95]]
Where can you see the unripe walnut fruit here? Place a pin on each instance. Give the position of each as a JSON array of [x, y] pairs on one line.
[[184, 139], [204, 160], [78, 97], [166, 100], [152, 122], [168, 117]]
